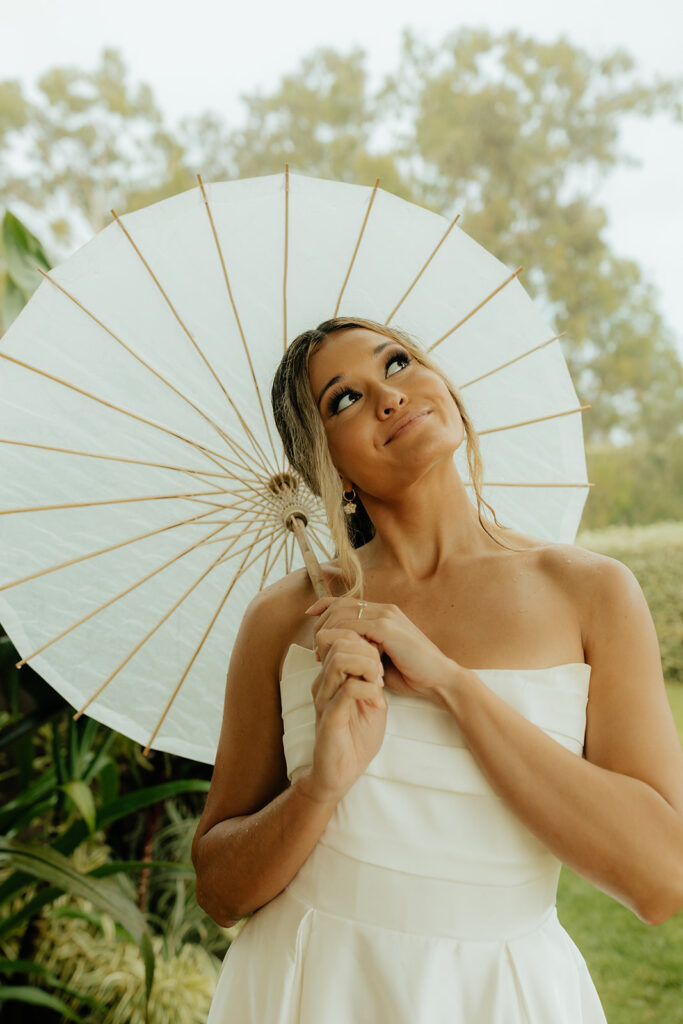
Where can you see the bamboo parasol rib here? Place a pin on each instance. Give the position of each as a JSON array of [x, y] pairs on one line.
[[202, 541], [107, 501], [243, 423], [355, 251], [209, 452], [106, 550], [255, 515], [237, 318], [476, 309], [116, 458], [286, 263], [421, 270], [160, 622], [509, 362], [537, 419], [221, 433]]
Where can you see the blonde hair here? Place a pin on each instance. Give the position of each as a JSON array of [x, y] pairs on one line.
[[301, 428]]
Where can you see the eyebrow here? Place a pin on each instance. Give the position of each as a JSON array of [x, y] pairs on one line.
[[340, 376]]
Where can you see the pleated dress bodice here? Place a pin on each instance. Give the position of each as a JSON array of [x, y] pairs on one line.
[[426, 900]]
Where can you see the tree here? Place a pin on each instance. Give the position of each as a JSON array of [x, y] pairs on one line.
[[515, 134], [320, 119], [520, 133], [90, 142]]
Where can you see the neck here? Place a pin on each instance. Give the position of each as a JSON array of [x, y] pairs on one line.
[[425, 526]]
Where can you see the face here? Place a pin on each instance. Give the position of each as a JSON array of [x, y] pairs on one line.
[[363, 383]]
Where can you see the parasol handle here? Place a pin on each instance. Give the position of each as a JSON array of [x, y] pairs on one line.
[[312, 565]]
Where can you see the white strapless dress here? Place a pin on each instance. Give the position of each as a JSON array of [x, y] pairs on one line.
[[426, 900]]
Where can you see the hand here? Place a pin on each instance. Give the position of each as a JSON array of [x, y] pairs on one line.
[[413, 664], [351, 714]]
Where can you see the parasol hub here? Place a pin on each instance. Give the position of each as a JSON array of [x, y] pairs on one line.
[[286, 487]]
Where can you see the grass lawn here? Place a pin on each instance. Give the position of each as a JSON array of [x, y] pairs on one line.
[[637, 968]]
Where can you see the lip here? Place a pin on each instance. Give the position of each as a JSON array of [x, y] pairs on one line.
[[408, 418]]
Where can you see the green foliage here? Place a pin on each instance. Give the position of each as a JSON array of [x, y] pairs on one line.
[[654, 554], [636, 968], [104, 966], [320, 120], [14, 109], [514, 133], [32, 996], [41, 862], [634, 484], [23, 253], [64, 780], [92, 141], [675, 695], [188, 945]]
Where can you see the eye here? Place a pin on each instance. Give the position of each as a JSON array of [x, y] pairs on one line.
[[341, 391]]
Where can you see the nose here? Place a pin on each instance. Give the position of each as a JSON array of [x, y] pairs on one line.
[[389, 396]]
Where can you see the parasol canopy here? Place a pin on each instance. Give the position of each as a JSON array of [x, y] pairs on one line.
[[146, 497]]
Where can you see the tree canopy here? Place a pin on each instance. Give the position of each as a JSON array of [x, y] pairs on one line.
[[513, 133]]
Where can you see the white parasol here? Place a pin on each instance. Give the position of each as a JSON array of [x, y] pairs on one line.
[[146, 497]]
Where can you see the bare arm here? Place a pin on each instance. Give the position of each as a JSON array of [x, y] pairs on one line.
[[256, 830], [246, 861], [615, 817]]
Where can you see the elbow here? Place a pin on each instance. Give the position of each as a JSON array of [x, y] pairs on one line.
[[664, 903], [224, 916]]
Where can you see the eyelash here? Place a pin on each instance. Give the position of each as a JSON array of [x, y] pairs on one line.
[[341, 390]]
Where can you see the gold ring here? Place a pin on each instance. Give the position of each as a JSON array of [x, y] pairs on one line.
[[361, 606]]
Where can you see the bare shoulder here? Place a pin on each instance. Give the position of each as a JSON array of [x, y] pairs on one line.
[[629, 723], [282, 605], [590, 580], [287, 598], [576, 565]]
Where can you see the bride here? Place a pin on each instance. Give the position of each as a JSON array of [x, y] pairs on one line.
[[404, 766]]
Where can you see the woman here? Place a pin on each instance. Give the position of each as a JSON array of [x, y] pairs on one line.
[[399, 846]]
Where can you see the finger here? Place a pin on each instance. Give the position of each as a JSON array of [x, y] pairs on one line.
[[344, 638], [326, 607], [317, 683], [344, 663], [338, 670], [325, 637], [319, 605], [356, 689]]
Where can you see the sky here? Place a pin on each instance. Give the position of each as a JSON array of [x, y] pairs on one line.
[[205, 56]]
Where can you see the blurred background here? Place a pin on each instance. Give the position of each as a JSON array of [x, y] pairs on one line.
[[557, 135]]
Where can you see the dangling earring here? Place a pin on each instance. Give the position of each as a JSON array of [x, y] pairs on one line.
[[349, 507]]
